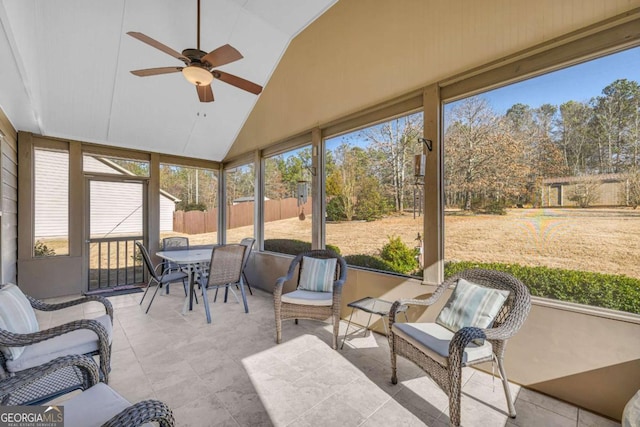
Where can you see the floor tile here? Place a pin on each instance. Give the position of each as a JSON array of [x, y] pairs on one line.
[[232, 373]]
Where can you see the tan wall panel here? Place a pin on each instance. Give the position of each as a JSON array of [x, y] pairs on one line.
[[363, 52], [51, 276], [9, 220], [587, 360]]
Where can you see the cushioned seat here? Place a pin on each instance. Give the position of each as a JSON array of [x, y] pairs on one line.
[[83, 410], [80, 341], [308, 298], [435, 340]]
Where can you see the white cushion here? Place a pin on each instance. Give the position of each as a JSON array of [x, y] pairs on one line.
[[471, 305], [94, 407], [317, 274], [302, 297], [80, 341], [435, 339], [631, 412], [17, 316]]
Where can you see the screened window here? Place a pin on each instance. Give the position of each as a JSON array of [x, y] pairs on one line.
[[374, 196], [240, 190], [287, 202], [542, 180], [51, 203], [189, 204]]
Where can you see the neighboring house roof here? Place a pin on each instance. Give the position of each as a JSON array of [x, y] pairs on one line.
[[572, 179], [125, 171]]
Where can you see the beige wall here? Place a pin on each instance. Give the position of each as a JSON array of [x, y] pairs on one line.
[[590, 361], [363, 52]]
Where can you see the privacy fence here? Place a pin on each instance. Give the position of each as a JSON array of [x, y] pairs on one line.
[[239, 215]]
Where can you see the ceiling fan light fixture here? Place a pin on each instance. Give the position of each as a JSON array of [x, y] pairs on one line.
[[197, 75]]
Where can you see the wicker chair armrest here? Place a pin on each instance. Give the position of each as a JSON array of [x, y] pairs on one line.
[[43, 306], [10, 339], [459, 342], [24, 378], [412, 301], [143, 412]]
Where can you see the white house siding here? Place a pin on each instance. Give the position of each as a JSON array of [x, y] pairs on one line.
[[9, 218], [167, 207], [115, 207], [51, 203]]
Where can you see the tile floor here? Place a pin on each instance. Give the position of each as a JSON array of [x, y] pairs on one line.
[[231, 372]]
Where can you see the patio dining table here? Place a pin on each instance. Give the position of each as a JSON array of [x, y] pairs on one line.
[[188, 259]]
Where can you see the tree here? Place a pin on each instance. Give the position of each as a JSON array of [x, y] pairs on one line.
[[483, 160], [616, 122], [395, 142]]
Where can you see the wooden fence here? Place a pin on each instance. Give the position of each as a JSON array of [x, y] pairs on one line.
[[240, 215]]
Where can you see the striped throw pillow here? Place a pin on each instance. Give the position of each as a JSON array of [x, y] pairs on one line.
[[317, 274], [17, 316], [471, 305]]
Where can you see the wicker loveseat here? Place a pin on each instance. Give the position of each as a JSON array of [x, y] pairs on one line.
[[24, 351], [97, 405]]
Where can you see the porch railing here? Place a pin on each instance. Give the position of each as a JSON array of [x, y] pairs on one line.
[[114, 261]]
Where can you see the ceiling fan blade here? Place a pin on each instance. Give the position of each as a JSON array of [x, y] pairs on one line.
[[237, 82], [154, 43], [205, 93], [221, 56], [154, 71]]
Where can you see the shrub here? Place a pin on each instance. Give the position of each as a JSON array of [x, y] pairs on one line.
[[369, 261], [399, 256], [495, 207], [40, 249], [616, 292], [194, 207], [292, 246], [335, 210]]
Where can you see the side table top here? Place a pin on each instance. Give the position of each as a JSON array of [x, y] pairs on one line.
[[375, 305]]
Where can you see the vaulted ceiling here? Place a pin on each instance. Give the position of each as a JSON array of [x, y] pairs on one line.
[[65, 68]]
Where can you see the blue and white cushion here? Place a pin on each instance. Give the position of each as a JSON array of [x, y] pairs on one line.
[[471, 305], [17, 316], [317, 274]]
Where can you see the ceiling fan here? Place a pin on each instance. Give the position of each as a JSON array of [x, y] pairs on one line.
[[199, 65]]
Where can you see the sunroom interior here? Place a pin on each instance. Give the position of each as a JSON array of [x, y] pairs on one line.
[[328, 69]]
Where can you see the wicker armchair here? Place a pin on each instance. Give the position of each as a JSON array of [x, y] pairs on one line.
[[44, 345], [97, 405], [325, 305], [446, 369]]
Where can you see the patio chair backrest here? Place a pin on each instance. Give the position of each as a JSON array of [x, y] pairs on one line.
[[515, 309], [226, 264], [341, 265], [176, 243], [147, 261], [248, 243]]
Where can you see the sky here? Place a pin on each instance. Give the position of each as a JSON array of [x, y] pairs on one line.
[[579, 83]]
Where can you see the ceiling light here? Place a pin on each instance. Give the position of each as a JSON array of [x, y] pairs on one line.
[[197, 75]]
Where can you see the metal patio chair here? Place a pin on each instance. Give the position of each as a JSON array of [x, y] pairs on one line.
[[164, 279], [175, 243]]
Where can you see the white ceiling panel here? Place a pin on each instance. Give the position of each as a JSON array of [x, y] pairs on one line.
[[68, 74]]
